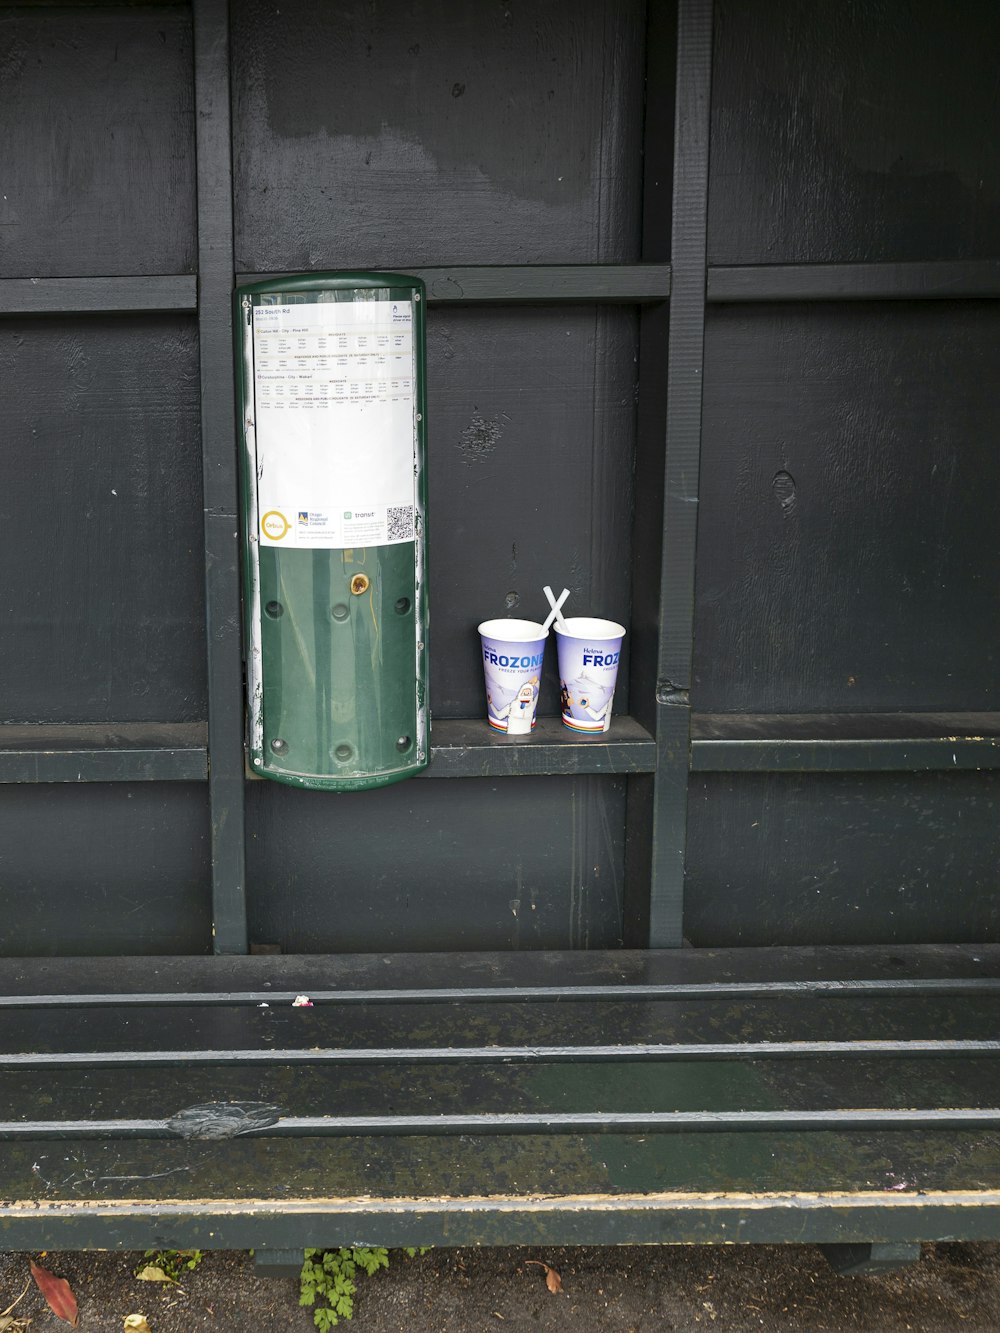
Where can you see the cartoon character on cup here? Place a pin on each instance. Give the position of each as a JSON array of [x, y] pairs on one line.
[[520, 712], [586, 705]]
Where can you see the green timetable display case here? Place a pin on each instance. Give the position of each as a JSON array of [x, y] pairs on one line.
[[331, 389]]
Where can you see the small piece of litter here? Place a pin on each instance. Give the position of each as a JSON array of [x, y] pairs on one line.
[[302, 1002]]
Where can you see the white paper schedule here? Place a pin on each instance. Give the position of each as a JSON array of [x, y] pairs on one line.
[[334, 415]]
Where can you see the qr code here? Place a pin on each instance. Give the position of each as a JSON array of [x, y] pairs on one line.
[[400, 522]]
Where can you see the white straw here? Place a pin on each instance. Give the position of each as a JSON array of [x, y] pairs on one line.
[[554, 614]]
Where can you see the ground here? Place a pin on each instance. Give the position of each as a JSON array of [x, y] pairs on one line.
[[643, 1289]]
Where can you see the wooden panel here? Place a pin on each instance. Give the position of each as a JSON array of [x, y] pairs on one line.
[[510, 863], [436, 133], [859, 132], [531, 419], [104, 869], [842, 859], [102, 534], [99, 104], [848, 483]]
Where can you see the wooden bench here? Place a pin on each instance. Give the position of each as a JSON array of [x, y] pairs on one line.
[[846, 1095]]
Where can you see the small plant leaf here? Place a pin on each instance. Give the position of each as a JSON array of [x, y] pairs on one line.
[[58, 1294], [553, 1280]]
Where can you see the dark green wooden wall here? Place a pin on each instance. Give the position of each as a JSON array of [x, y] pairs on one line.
[[822, 467]]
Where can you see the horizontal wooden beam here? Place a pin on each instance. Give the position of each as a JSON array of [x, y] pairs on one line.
[[939, 280], [709, 1216], [803, 970], [845, 742], [175, 293], [526, 284], [104, 752]]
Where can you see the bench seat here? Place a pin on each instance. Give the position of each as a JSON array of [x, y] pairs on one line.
[[814, 1094]]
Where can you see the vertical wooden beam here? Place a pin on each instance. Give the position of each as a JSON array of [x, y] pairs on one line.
[[218, 426], [685, 363]]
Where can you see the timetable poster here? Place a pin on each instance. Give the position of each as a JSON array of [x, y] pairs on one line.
[[334, 415]]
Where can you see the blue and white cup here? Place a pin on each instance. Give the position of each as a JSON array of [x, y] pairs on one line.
[[589, 650], [512, 664]]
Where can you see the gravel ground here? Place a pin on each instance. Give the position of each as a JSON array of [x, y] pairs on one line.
[[732, 1289]]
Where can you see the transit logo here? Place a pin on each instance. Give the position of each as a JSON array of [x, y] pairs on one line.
[[274, 525]]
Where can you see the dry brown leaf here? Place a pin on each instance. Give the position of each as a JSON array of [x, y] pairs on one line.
[[552, 1279], [58, 1294], [136, 1323], [153, 1273]]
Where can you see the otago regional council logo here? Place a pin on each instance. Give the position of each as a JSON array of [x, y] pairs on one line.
[[274, 525]]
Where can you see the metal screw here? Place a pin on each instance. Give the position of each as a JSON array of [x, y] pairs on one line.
[[279, 746]]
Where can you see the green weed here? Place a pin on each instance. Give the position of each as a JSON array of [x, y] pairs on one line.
[[328, 1276]]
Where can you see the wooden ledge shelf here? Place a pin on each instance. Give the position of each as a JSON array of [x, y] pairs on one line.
[[104, 752], [466, 748], [844, 742]]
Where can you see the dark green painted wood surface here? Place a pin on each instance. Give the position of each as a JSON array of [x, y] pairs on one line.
[[845, 493], [212, 98], [99, 106], [842, 858], [702, 1143], [103, 561], [104, 868], [325, 877], [360, 143], [858, 134], [841, 620]]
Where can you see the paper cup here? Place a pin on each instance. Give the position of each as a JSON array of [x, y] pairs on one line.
[[589, 650], [512, 664]]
